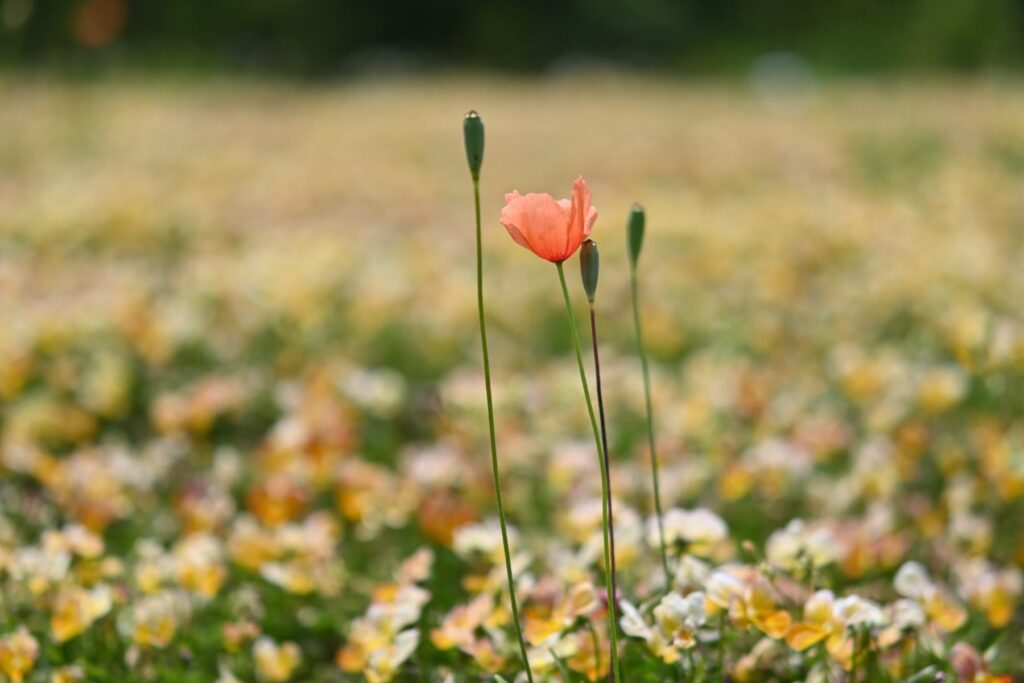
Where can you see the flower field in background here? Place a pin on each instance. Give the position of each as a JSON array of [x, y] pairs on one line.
[[243, 434]]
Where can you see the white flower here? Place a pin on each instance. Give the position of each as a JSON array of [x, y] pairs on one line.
[[691, 573], [275, 662], [379, 390], [700, 527], [779, 455], [912, 580], [906, 614], [723, 587], [483, 539], [225, 675], [797, 544], [853, 610], [384, 662], [676, 620], [40, 567], [632, 622], [675, 613], [820, 607]]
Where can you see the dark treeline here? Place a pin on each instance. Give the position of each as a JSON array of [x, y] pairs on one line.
[[317, 37]]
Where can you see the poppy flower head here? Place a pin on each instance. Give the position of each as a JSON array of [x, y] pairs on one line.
[[552, 229]]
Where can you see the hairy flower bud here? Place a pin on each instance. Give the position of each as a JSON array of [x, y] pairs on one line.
[[590, 266], [473, 134], [635, 233]]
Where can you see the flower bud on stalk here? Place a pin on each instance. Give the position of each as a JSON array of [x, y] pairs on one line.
[[635, 233], [473, 135], [634, 242], [590, 266]]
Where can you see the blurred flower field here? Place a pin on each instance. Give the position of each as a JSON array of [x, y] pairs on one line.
[[242, 427]]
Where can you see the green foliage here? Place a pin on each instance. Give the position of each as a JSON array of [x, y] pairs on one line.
[[321, 37]]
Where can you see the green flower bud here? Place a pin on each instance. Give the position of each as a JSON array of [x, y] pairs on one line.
[[635, 233], [590, 266], [473, 134]]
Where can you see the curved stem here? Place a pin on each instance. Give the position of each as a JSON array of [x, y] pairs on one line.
[[650, 426], [612, 618], [494, 444], [607, 453]]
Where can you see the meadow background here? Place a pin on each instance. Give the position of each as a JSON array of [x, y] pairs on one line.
[[239, 365]]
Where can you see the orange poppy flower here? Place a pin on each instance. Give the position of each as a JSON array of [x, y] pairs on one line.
[[550, 229]]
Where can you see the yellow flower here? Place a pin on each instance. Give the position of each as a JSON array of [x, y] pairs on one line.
[[593, 665], [540, 622], [748, 599], [576, 651], [676, 620], [76, 539], [942, 610], [276, 662], [154, 620], [679, 618], [459, 627], [18, 653], [68, 674], [385, 662], [250, 545], [377, 645], [149, 576], [416, 567], [698, 531], [156, 631], [819, 623], [992, 590], [758, 608], [76, 608], [828, 620], [296, 577], [799, 545], [940, 389], [861, 377], [912, 581], [199, 565], [485, 655]]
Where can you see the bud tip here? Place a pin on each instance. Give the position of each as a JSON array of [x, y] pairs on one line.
[[473, 136], [590, 266], [635, 232]]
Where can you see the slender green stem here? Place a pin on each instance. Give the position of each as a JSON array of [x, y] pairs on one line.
[[612, 618], [650, 426], [494, 442], [604, 446]]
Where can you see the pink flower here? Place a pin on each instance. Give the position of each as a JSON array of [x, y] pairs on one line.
[[550, 229]]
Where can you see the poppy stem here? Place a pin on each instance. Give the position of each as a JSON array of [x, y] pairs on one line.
[[494, 445], [609, 577], [650, 423], [607, 453]]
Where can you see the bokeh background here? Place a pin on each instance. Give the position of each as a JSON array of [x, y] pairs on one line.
[[237, 303], [320, 37]]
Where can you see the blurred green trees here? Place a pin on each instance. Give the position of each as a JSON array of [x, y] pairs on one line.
[[329, 36]]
